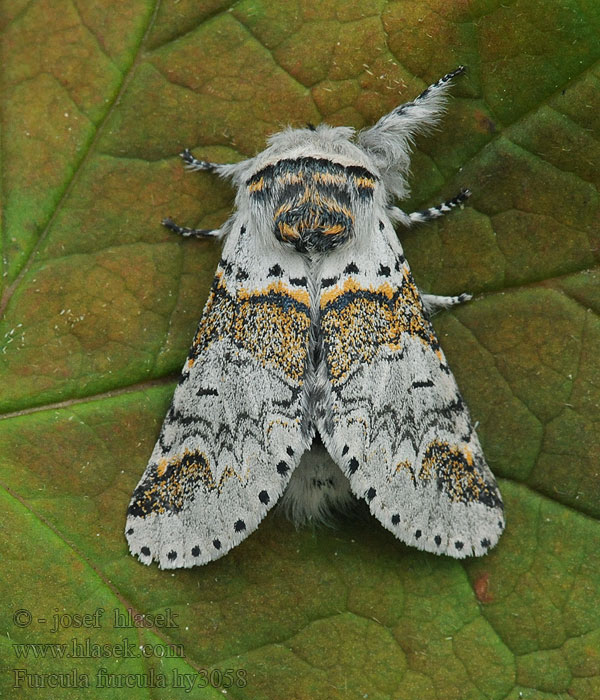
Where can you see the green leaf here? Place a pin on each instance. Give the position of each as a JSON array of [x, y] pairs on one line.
[[99, 304]]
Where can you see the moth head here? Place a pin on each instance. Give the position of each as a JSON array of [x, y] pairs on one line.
[[310, 186]]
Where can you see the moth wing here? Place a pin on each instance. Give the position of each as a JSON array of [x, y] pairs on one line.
[[235, 430], [392, 415]]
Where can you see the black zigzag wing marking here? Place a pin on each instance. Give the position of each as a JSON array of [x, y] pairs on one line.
[[398, 426], [234, 432]]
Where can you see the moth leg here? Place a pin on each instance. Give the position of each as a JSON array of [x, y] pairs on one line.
[[192, 163], [434, 303], [419, 217], [191, 232]]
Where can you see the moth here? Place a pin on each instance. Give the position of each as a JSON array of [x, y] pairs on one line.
[[315, 376]]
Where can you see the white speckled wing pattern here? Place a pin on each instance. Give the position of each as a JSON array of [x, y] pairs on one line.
[[392, 416], [234, 432]]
